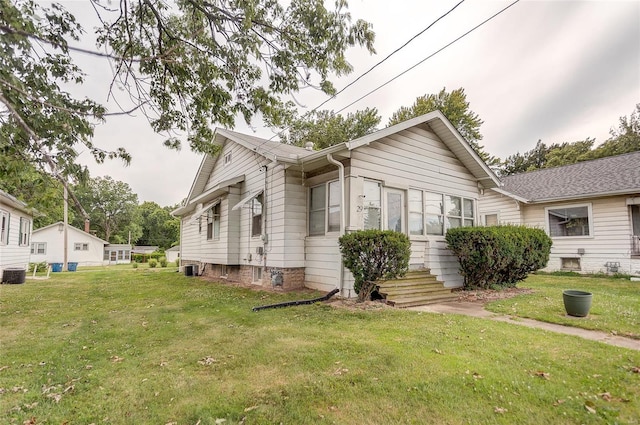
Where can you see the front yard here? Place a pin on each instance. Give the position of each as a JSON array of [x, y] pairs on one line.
[[153, 346]]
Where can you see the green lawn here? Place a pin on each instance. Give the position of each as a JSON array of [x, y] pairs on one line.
[[615, 306], [156, 347]]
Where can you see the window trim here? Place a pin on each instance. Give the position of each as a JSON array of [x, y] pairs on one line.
[[35, 248], [488, 213], [566, 206], [5, 218], [365, 209], [325, 208], [80, 246], [443, 216], [23, 236], [256, 231]]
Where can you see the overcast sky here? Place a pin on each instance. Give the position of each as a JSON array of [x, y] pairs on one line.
[[559, 71]]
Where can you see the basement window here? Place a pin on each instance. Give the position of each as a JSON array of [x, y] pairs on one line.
[[570, 264]]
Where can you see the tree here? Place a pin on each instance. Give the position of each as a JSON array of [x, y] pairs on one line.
[[543, 156], [624, 139], [187, 66], [112, 208], [159, 227], [455, 107], [325, 128]]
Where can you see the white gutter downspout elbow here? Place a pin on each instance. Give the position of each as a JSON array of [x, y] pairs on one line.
[[343, 220]]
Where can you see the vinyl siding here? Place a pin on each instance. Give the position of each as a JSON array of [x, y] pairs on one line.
[[414, 158], [508, 209], [610, 241], [12, 254], [55, 247]]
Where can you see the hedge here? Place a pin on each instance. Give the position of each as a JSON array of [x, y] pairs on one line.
[[498, 255], [371, 255]]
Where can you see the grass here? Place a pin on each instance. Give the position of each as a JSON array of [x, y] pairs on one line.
[[615, 306], [156, 347]]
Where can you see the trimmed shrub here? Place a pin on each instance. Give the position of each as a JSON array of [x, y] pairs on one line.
[[153, 263], [135, 265], [498, 255], [42, 266], [177, 262], [372, 255], [163, 261]]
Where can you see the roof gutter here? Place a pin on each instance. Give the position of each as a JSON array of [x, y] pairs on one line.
[[343, 220]]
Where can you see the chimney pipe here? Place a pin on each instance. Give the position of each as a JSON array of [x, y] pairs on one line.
[[86, 225]]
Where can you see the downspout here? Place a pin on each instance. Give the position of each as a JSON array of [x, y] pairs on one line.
[[343, 220]]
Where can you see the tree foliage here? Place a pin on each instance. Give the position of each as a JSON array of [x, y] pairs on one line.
[[455, 107], [159, 227], [372, 255], [187, 66], [112, 208], [325, 128], [624, 139]]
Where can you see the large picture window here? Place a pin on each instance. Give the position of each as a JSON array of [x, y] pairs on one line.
[[569, 221], [441, 212], [324, 208], [434, 208]]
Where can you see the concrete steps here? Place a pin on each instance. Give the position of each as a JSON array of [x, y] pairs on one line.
[[416, 288]]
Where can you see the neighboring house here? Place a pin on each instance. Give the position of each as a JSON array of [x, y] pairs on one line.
[[173, 253], [83, 248], [590, 209], [143, 249], [16, 220], [271, 214]]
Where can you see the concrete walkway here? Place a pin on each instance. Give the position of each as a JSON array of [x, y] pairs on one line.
[[477, 310]]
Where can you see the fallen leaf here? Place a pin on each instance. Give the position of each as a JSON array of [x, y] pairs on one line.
[[590, 406], [206, 361], [3, 368], [249, 409], [30, 421], [477, 376], [55, 397], [558, 402], [635, 369], [220, 421], [541, 374], [116, 359], [435, 350], [500, 410], [606, 396]]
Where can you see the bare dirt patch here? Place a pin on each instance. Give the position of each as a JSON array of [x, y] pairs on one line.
[[487, 295]]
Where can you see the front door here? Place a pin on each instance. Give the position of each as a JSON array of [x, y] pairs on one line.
[[394, 210]]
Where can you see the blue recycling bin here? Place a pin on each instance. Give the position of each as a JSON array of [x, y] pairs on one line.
[[72, 267], [56, 267]]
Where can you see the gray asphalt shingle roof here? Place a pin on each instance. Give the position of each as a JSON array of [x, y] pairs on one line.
[[600, 177]]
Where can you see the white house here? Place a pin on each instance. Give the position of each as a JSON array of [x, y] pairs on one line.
[[172, 253], [16, 220], [271, 214], [590, 209], [83, 248]]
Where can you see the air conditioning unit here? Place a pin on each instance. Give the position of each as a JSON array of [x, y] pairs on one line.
[[259, 250]]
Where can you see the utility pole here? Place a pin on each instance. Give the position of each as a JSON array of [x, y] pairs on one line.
[[66, 228]]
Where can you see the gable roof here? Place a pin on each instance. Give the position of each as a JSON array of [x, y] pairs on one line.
[[614, 175], [72, 228], [297, 156], [12, 201]]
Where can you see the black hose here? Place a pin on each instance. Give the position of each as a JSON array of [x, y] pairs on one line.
[[300, 302]]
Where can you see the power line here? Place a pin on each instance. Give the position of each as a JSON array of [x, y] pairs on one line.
[[366, 72], [388, 56], [428, 57]]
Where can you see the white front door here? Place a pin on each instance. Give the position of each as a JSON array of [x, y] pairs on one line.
[[394, 212]]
